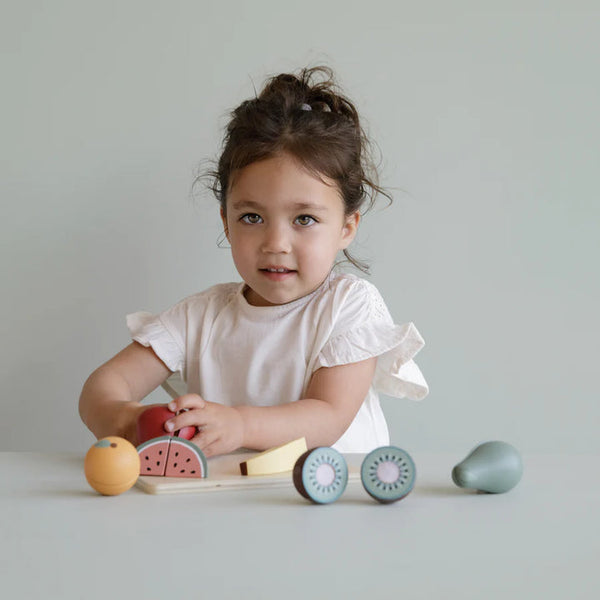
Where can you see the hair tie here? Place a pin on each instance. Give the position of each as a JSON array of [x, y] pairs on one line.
[[305, 106]]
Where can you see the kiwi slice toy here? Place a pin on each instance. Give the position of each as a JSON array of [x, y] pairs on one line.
[[321, 475], [388, 474]]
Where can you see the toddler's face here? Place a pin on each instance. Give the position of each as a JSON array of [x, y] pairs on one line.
[[285, 228]]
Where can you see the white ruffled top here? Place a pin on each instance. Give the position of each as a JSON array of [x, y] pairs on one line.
[[231, 352]]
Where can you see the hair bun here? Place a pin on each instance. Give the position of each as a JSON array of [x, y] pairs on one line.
[[323, 106]]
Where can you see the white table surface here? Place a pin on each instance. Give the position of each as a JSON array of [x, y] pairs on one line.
[[60, 539]]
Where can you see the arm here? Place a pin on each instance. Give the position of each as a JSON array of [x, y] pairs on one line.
[[110, 400], [333, 398]]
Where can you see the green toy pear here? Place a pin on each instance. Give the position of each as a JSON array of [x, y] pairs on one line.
[[493, 467]]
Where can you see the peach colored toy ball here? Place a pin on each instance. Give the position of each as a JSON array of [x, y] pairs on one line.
[[112, 465]]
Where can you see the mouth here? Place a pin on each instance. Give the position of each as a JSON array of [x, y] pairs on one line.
[[277, 270], [277, 273]]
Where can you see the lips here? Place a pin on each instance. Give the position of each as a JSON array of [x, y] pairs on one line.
[[277, 273], [277, 270]]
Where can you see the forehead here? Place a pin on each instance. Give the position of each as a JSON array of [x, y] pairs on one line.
[[283, 180], [296, 206]]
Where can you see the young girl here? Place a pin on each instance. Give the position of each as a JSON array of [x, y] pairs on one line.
[[295, 349]]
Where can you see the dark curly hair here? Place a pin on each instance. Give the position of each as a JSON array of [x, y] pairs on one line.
[[327, 140]]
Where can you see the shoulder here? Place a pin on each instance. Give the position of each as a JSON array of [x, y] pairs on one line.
[[355, 295], [216, 296], [195, 309], [351, 284]]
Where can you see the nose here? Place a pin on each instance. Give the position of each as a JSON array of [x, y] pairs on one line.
[[276, 239]]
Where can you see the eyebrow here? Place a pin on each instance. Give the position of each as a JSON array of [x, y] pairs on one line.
[[310, 206]]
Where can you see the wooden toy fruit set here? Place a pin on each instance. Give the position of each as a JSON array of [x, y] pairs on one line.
[[388, 474]]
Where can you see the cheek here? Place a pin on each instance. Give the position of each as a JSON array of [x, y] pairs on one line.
[[242, 247], [319, 248], [242, 239], [237, 247]]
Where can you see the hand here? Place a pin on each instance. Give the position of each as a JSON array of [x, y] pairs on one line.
[[221, 428]]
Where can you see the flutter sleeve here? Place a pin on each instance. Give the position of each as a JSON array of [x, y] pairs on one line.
[[165, 333], [363, 329]]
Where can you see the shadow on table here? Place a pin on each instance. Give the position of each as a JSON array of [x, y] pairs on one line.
[[442, 489]]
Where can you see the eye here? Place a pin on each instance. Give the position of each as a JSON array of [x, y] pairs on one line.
[[251, 218], [305, 220]]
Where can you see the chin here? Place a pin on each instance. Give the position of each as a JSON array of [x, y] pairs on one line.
[[258, 299]]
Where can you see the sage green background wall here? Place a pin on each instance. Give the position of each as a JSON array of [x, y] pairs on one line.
[[486, 115]]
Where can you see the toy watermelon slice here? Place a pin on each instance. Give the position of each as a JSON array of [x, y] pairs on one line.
[[153, 455], [185, 460], [171, 457]]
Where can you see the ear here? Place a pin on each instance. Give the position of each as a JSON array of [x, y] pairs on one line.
[[349, 229], [224, 219]]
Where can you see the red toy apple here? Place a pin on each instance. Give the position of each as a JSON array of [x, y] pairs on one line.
[[151, 424]]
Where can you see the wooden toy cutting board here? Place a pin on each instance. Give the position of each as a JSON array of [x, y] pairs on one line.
[[224, 474]]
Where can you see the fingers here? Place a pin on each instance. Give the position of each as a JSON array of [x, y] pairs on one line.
[[184, 407], [221, 427], [188, 418], [187, 402], [213, 449], [208, 442]]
